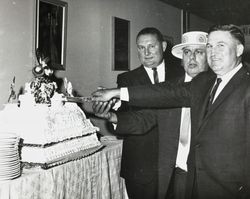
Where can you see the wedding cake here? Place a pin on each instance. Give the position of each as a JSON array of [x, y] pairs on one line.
[[52, 131]]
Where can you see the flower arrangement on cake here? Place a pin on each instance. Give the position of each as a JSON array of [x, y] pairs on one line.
[[42, 87]]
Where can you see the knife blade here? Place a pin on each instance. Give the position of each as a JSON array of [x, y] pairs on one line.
[[78, 99]]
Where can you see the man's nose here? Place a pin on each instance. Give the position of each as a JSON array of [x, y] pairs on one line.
[[147, 51], [214, 50], [193, 55]]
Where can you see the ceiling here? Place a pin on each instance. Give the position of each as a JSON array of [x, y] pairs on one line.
[[218, 11]]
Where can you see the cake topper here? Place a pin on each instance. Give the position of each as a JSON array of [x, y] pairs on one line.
[[42, 68], [68, 87], [12, 95]]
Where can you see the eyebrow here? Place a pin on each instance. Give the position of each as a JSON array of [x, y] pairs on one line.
[[224, 42]]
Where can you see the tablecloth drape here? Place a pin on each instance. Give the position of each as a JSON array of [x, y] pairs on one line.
[[92, 177]]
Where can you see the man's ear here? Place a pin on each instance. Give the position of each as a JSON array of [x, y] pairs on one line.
[[240, 49], [164, 45]]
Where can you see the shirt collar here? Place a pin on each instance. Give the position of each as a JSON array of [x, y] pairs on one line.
[[160, 70], [160, 67], [188, 78]]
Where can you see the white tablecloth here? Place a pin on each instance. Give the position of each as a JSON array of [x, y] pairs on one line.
[[93, 177]]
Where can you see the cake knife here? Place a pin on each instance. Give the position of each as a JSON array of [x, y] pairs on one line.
[[78, 99]]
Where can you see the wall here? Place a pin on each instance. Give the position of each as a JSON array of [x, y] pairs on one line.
[[197, 23], [89, 40], [16, 44]]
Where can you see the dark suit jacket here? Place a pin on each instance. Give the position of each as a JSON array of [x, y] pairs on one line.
[[135, 165], [142, 146], [219, 158], [168, 123]]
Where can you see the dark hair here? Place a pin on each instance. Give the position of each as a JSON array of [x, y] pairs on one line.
[[152, 31], [234, 30]]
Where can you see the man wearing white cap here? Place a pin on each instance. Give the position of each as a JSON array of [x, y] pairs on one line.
[[192, 50], [172, 162]]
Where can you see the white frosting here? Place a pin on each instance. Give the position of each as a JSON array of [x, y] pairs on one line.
[[56, 151], [40, 124], [64, 128]]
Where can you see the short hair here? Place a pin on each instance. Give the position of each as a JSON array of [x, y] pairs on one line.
[[234, 30], [152, 31]]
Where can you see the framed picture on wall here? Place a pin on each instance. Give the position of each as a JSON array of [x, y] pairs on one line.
[[121, 44], [51, 26], [185, 21]]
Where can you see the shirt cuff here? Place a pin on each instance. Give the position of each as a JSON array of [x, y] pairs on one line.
[[124, 96]]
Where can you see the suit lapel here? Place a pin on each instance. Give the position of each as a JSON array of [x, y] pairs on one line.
[[227, 90], [143, 76], [203, 99]]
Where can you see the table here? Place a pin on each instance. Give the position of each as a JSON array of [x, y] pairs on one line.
[[92, 177]]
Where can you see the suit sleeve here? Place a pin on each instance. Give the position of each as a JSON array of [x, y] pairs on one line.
[[131, 119], [163, 95], [136, 122], [123, 80]]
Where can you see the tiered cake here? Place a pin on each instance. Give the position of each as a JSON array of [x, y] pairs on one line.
[[52, 132]]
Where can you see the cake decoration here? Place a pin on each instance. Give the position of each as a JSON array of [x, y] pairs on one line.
[[68, 87], [12, 95], [42, 86], [53, 130]]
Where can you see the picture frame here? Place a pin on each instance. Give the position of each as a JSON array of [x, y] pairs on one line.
[[121, 44], [51, 31], [185, 21]]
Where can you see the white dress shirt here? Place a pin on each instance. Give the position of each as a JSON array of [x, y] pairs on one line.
[[183, 150], [160, 70], [225, 79]]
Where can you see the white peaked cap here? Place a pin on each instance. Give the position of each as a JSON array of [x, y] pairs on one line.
[[189, 38]]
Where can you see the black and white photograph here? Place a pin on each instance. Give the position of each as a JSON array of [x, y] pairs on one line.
[[112, 99]]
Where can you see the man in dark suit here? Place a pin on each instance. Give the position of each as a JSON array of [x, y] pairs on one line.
[[219, 158], [172, 152], [140, 170]]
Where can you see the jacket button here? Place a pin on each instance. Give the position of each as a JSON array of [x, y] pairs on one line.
[[197, 145]]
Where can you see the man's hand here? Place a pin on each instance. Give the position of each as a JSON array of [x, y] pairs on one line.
[[103, 110], [104, 95]]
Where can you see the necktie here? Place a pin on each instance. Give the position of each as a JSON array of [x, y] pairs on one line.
[[212, 94], [185, 126], [155, 74]]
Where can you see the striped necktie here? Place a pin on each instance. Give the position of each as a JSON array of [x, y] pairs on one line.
[[212, 94], [155, 74]]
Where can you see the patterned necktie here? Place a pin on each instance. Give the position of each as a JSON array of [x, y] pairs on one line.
[[212, 94], [155, 74], [185, 126]]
